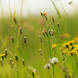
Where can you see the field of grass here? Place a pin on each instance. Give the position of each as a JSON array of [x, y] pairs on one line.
[[39, 47]]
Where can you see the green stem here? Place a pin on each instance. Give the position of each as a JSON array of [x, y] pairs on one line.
[[49, 47], [58, 13], [53, 71]]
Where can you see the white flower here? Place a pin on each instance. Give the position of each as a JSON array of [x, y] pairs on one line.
[[54, 60], [47, 66]]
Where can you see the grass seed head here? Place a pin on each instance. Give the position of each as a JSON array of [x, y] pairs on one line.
[[12, 39], [53, 20], [23, 62], [16, 57], [21, 30], [6, 53]]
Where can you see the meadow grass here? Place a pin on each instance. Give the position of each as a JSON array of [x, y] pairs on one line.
[[38, 47]]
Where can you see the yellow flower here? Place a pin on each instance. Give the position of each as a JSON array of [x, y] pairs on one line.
[[76, 46], [2, 55], [66, 45], [54, 46], [71, 42], [72, 52]]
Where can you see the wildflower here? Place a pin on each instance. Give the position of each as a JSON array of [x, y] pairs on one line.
[[71, 42], [76, 39], [54, 46], [51, 32], [72, 52], [47, 66], [44, 14], [66, 45], [53, 60], [2, 55]]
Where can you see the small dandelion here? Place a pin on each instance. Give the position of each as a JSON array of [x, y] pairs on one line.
[[54, 60], [47, 66], [54, 46], [23, 62], [25, 39]]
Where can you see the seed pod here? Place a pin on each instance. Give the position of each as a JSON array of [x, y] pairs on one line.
[[16, 57], [21, 31], [25, 40], [58, 25], [23, 62], [43, 34], [5, 53], [14, 19], [46, 34], [53, 19]]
